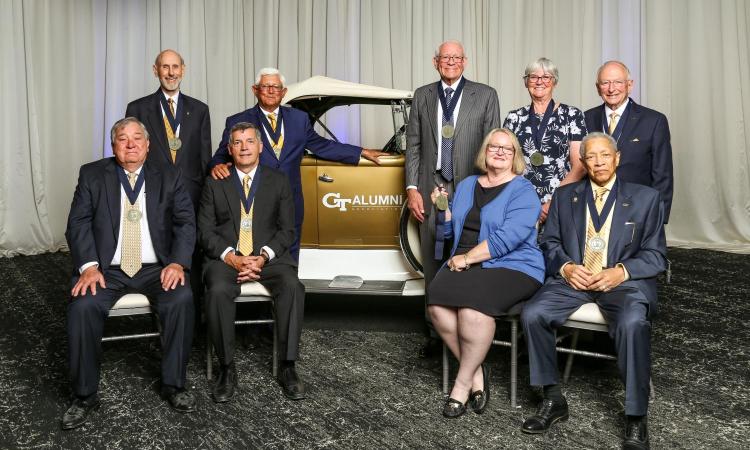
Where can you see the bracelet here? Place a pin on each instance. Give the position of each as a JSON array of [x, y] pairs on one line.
[[466, 262]]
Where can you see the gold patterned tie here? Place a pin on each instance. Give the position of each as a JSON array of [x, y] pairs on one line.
[[245, 244], [280, 143], [170, 131], [130, 260], [612, 123], [593, 260]]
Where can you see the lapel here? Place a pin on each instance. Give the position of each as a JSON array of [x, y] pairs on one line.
[[233, 199], [432, 99], [634, 115], [623, 205], [112, 187], [467, 104], [152, 187], [599, 119], [156, 122], [578, 207], [184, 126]]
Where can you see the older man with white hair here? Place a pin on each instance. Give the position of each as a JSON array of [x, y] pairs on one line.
[[287, 132]]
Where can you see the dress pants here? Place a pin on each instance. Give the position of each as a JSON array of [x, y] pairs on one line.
[[288, 302], [87, 313], [628, 313]]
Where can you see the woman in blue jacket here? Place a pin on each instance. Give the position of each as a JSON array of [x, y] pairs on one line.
[[494, 263]]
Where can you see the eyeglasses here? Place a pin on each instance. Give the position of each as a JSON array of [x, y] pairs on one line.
[[491, 148], [534, 78], [618, 84], [446, 58], [270, 87]]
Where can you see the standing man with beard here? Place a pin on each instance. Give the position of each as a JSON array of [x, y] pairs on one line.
[[449, 119], [180, 130]]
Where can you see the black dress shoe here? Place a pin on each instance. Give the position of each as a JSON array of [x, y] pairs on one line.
[[290, 383], [431, 348], [79, 411], [226, 383], [453, 408], [636, 436], [179, 399], [549, 412], [478, 400]]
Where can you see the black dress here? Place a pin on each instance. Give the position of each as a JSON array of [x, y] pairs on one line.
[[491, 291]]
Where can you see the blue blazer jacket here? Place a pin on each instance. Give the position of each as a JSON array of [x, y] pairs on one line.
[[507, 224]]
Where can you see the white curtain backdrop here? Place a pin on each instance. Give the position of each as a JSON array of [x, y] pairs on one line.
[[69, 68]]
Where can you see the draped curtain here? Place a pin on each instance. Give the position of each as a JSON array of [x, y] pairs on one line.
[[69, 68]]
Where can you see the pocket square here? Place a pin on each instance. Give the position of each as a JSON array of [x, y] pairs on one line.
[[635, 140]]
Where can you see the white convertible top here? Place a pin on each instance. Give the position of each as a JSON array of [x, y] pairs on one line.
[[320, 86]]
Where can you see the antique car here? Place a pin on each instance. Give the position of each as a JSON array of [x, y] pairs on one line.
[[357, 235]]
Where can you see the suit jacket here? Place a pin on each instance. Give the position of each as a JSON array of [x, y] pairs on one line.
[[195, 133], [645, 149], [94, 220], [479, 113], [636, 236], [298, 136], [273, 216]]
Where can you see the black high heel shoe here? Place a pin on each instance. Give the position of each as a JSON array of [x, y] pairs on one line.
[[478, 400], [453, 408]]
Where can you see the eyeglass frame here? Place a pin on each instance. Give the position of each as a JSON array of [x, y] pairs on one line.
[[549, 78], [491, 148], [449, 59], [618, 84], [270, 87]]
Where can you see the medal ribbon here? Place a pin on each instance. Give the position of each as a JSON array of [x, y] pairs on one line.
[[274, 134], [538, 129], [132, 193], [247, 202], [439, 234], [598, 219], [174, 122], [448, 109], [620, 123]]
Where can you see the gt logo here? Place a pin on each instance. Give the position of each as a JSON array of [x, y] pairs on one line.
[[334, 200]]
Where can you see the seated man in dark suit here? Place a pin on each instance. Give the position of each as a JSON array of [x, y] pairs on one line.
[[123, 241], [603, 242], [246, 228]]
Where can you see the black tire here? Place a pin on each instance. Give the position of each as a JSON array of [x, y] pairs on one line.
[[409, 239]]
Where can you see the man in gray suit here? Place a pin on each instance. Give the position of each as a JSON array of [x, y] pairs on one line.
[[448, 122]]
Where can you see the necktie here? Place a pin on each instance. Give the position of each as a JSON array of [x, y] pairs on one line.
[[593, 260], [612, 123], [245, 244], [168, 128], [130, 260], [275, 145], [446, 147]]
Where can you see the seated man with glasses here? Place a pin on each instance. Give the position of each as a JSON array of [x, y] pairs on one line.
[[642, 134], [286, 133]]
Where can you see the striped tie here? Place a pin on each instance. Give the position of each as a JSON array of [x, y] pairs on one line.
[[130, 261], [592, 260], [170, 131], [276, 145], [245, 244], [612, 123]]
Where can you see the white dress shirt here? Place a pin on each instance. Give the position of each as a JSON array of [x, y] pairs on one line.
[[175, 98], [608, 112]]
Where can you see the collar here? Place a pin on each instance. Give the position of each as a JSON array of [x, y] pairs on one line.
[[619, 111], [137, 171], [609, 185], [175, 98], [266, 113], [242, 174], [453, 86]]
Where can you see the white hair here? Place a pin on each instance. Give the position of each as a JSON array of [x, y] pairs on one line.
[[269, 71], [596, 135], [437, 50]]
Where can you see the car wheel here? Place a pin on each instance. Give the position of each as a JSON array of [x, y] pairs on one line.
[[409, 239]]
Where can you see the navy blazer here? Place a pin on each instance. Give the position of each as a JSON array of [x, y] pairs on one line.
[[195, 133], [645, 149], [636, 236], [298, 136], [220, 213], [94, 219]]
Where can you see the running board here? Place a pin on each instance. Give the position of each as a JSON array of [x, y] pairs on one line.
[[350, 285]]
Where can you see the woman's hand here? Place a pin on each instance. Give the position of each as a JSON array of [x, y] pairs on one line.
[[439, 190], [458, 263]]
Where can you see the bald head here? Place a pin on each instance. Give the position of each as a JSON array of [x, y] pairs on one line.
[[169, 68]]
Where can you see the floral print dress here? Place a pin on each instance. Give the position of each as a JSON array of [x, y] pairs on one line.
[[566, 125]]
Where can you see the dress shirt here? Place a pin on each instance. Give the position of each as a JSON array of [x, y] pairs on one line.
[[266, 113], [268, 250], [619, 111]]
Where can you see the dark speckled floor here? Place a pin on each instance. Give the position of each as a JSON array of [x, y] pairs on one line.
[[366, 387]]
